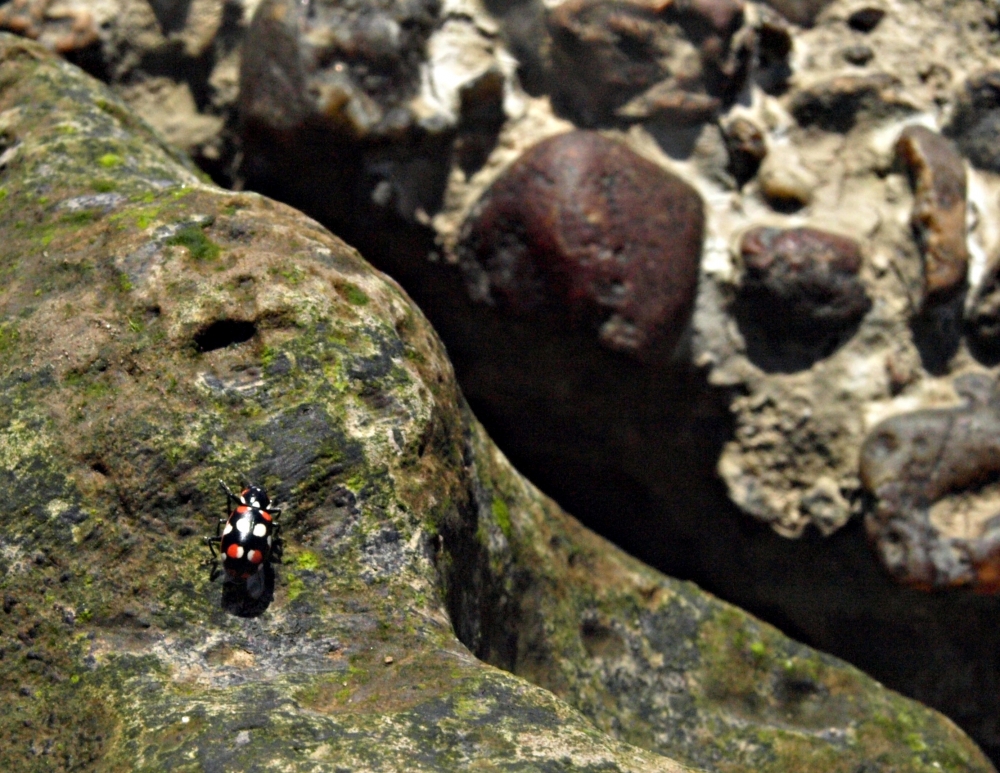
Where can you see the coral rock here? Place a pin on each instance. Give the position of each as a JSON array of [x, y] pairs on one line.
[[938, 217], [934, 473], [583, 224], [802, 281]]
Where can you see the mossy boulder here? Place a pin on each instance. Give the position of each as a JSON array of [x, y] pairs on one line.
[[158, 334]]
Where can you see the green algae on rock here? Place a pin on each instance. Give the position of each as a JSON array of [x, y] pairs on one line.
[[179, 334]]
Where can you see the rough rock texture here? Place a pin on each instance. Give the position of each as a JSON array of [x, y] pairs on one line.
[[175, 62], [380, 98], [983, 315], [159, 333], [635, 60], [635, 450], [977, 119], [583, 229], [934, 475]]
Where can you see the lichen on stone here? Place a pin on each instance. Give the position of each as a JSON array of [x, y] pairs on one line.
[[135, 377]]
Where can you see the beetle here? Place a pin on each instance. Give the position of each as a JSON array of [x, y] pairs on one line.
[[249, 539]]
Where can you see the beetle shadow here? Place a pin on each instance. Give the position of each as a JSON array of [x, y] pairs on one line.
[[236, 599]]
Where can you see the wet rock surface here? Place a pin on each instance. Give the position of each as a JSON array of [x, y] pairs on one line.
[[582, 228], [140, 367]]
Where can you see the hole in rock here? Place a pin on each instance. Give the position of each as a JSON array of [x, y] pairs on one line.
[[223, 333]]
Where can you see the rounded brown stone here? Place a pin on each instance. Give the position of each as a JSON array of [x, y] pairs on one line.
[[801, 281], [585, 227]]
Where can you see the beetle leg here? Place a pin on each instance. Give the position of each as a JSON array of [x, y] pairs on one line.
[[230, 496], [211, 542]]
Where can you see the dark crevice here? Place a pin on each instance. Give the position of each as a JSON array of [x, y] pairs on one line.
[[223, 333]]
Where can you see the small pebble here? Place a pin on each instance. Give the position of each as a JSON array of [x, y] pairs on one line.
[[859, 55], [746, 147], [784, 183]]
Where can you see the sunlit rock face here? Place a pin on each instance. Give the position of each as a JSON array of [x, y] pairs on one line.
[[847, 274], [159, 334], [864, 121]]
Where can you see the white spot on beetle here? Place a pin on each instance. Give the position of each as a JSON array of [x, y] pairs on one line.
[[229, 528], [260, 530], [243, 525]]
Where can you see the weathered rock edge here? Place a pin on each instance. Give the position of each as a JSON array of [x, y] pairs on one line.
[[157, 334]]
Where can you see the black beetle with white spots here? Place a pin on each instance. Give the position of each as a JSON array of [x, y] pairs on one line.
[[248, 539]]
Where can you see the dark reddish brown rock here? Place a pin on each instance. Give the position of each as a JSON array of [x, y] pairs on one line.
[[746, 147], [938, 177], [801, 282], [606, 53], [582, 226], [934, 478]]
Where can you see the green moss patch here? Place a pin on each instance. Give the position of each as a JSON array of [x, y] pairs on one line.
[[199, 246]]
